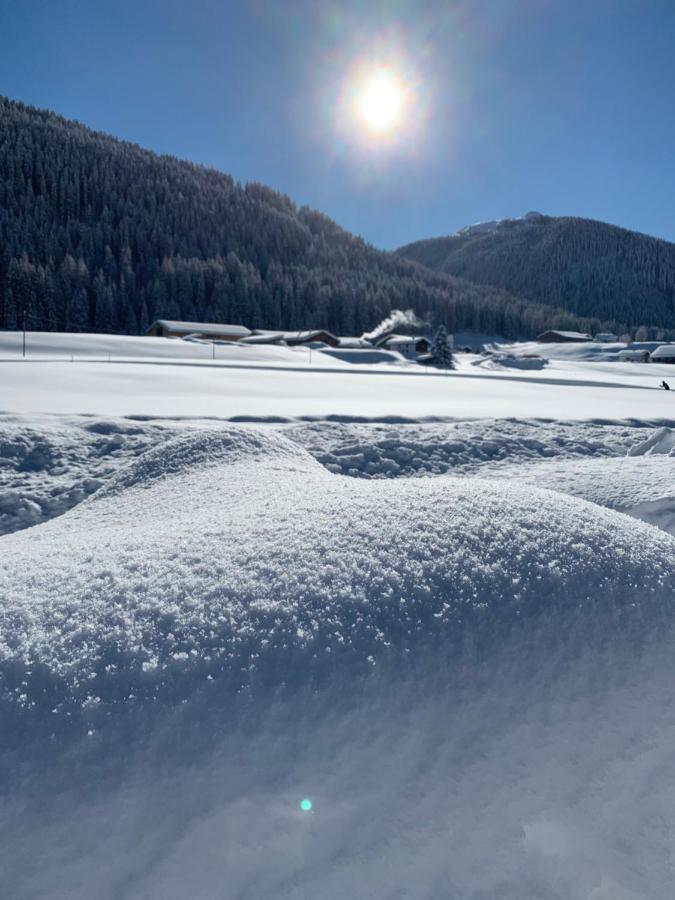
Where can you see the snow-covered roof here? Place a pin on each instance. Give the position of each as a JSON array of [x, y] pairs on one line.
[[572, 335], [665, 351], [386, 339], [401, 339], [201, 327], [313, 334], [268, 338], [354, 343], [633, 354]]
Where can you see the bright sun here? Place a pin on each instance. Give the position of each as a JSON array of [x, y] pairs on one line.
[[380, 103]]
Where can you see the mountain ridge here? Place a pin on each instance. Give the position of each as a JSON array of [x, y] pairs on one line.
[[587, 267], [101, 234]]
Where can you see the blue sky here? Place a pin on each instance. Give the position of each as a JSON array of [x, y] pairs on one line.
[[561, 106]]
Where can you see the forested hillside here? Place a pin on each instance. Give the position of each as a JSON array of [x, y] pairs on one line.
[[98, 234], [586, 267]]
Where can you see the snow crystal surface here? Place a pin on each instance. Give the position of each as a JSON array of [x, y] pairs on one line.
[[386, 451], [48, 465], [468, 677], [424, 603], [244, 529]]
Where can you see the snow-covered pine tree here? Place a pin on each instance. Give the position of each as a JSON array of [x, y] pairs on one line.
[[441, 354]]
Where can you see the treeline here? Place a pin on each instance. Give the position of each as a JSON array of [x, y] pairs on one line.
[[98, 234], [589, 268]]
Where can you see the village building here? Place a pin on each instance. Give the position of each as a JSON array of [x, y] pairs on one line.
[[355, 343], [209, 331], [606, 337], [267, 338], [664, 354], [642, 356], [295, 338], [563, 337], [408, 346]]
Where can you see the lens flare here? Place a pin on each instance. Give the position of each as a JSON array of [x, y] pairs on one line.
[[306, 805]]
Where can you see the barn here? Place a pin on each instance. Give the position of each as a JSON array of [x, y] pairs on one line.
[[210, 331], [642, 356], [408, 346], [563, 337], [664, 354], [296, 338]]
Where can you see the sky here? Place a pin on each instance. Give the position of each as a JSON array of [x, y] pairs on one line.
[[561, 106]]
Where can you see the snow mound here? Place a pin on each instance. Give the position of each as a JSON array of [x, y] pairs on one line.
[[209, 449], [47, 467], [661, 441], [640, 486], [50, 465], [445, 663], [233, 552]]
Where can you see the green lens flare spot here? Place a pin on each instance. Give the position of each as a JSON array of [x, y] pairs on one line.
[[306, 805]]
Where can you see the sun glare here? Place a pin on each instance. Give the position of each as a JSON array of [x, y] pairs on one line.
[[380, 103], [382, 107]]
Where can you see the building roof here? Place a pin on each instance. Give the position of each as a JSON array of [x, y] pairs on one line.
[[664, 351], [570, 335], [354, 343], [269, 338], [298, 337], [385, 338], [201, 328], [402, 339]]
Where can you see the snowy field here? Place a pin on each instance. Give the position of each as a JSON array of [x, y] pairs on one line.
[[435, 607], [113, 376]]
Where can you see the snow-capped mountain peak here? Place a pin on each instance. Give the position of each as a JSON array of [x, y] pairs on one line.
[[493, 224]]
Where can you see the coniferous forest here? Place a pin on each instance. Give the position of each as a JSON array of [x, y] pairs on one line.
[[101, 235], [586, 267]]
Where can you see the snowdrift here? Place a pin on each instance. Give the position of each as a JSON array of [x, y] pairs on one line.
[[662, 441], [227, 627]]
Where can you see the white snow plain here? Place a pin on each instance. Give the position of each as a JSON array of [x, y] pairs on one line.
[[454, 638], [72, 374]]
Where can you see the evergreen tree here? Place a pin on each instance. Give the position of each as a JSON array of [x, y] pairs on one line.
[[441, 354]]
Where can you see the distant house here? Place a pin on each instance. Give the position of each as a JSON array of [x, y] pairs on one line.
[[355, 343], [211, 331], [369, 355], [408, 346], [563, 337], [263, 339], [295, 338], [664, 354], [642, 356], [606, 338]]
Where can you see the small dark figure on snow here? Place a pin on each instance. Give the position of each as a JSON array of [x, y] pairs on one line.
[[665, 385]]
